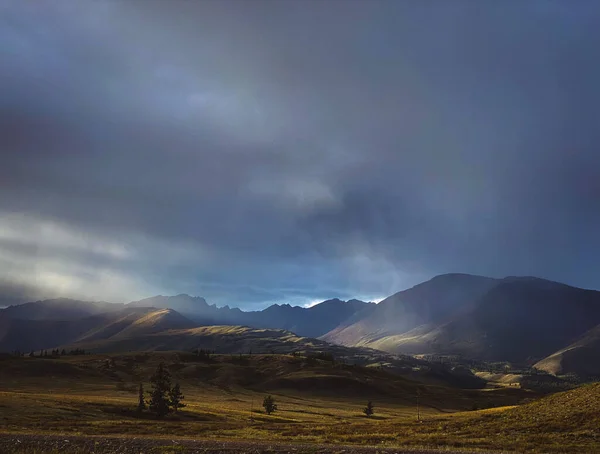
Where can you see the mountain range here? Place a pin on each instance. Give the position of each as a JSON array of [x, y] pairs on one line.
[[522, 320], [314, 321]]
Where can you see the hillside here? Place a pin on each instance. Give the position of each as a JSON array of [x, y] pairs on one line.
[[518, 320], [193, 307], [27, 335], [59, 309], [140, 323], [255, 372], [241, 340], [420, 306], [578, 409], [579, 358], [513, 319], [562, 422]]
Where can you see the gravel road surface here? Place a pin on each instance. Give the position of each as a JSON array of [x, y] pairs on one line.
[[38, 444]]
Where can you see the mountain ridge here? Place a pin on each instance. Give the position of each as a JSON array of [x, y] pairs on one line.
[[311, 322], [516, 319]]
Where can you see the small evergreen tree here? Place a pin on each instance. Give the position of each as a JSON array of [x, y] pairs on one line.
[[369, 410], [175, 397], [269, 405], [141, 402], [161, 385]]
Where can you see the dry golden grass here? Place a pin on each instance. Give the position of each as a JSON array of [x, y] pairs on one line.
[[80, 396]]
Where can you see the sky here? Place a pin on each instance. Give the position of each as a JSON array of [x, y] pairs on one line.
[[258, 152]]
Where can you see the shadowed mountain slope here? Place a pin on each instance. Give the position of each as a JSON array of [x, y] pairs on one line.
[[26, 335], [513, 319], [59, 309], [580, 357], [424, 304], [518, 320]]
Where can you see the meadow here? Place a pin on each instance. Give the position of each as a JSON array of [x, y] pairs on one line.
[[318, 403]]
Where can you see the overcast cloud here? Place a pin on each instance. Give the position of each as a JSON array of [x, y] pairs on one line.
[[254, 152]]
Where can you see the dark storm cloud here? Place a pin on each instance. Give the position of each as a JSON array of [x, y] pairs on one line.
[[287, 151]]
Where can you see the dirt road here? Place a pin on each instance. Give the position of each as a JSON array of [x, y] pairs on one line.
[[56, 444]]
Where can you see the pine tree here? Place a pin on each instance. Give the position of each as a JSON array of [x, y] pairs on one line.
[[161, 386], [141, 402], [369, 410], [175, 397], [269, 405]]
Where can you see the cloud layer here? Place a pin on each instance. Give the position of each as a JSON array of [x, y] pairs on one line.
[[258, 152]]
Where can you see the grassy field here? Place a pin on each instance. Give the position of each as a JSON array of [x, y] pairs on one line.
[[318, 402]]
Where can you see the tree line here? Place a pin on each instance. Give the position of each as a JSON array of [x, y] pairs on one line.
[[44, 353]]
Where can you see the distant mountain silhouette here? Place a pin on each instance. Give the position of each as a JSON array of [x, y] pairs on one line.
[[193, 307], [312, 322]]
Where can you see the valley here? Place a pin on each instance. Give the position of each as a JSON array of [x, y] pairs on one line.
[[445, 364]]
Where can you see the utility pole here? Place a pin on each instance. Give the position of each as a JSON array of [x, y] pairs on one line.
[[418, 405]]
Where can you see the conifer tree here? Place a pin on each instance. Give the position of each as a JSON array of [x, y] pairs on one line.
[[161, 386], [141, 402], [369, 410], [269, 405], [175, 398]]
